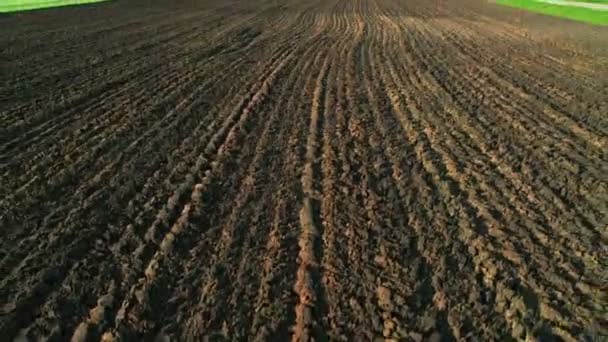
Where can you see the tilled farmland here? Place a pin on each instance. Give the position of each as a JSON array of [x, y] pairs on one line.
[[343, 170]]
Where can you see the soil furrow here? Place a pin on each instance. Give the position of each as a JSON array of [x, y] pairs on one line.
[[270, 170]]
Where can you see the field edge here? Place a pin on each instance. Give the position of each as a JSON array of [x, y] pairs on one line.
[[579, 14], [14, 8]]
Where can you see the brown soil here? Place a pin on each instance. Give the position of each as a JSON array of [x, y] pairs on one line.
[[268, 170]]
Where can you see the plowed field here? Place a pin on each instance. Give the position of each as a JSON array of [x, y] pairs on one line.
[[345, 170]]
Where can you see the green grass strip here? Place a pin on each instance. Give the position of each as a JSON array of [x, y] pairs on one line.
[[586, 15], [7, 6], [592, 1]]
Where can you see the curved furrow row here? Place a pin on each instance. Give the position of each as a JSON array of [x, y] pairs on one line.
[[418, 126], [408, 113], [446, 83], [361, 231], [239, 120], [527, 99], [66, 94], [125, 67], [328, 187], [529, 253], [410, 307], [308, 308], [426, 311], [457, 97], [301, 170], [92, 136], [59, 268], [402, 307], [122, 26], [93, 133], [336, 281], [89, 55], [180, 36], [275, 296], [335, 258], [489, 193], [133, 145], [72, 216], [129, 33], [449, 190], [235, 230], [554, 62], [523, 74], [168, 118], [452, 277], [562, 156], [27, 36], [248, 258], [140, 242], [506, 170], [120, 243], [449, 270], [523, 111], [291, 131], [144, 202], [231, 50]]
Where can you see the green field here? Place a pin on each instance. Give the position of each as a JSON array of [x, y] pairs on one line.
[[586, 15], [23, 5], [593, 1]]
